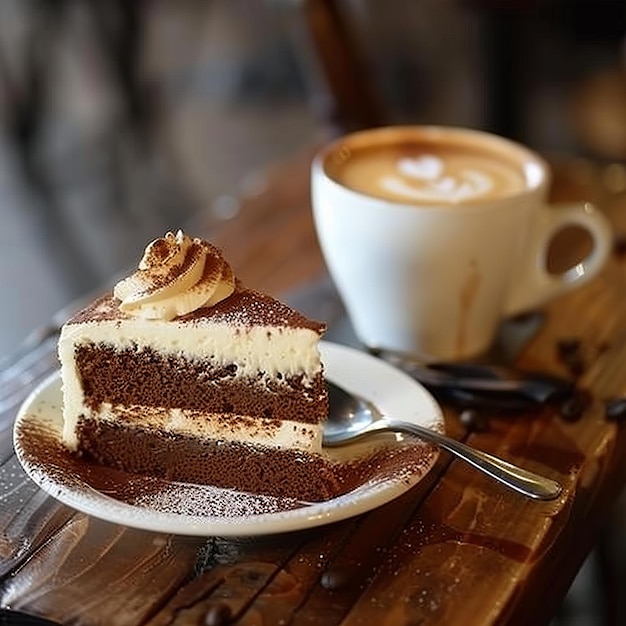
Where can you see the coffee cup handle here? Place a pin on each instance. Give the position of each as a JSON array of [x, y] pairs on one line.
[[537, 286]]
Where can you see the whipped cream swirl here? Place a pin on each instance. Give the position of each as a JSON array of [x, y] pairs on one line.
[[177, 275]]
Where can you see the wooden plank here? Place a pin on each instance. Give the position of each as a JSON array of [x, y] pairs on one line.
[[458, 549]]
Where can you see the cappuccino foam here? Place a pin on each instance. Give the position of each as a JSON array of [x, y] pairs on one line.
[[425, 173]]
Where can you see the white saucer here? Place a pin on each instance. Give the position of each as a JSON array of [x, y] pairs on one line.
[[395, 393]]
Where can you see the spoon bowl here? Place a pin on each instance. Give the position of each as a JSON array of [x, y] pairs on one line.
[[352, 418]]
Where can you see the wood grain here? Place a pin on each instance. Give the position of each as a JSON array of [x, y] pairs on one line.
[[457, 549]]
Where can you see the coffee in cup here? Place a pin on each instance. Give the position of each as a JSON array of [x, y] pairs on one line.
[[434, 235], [447, 174]]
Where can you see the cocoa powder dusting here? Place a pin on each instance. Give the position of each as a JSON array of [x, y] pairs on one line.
[[243, 309], [296, 476]]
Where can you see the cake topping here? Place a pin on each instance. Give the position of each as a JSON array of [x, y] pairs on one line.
[[177, 275]]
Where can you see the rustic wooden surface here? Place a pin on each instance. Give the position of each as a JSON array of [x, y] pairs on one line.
[[456, 550]]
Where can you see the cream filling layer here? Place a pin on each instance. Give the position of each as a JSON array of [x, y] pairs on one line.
[[266, 348], [284, 434]]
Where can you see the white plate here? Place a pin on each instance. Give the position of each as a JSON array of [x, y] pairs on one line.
[[393, 391]]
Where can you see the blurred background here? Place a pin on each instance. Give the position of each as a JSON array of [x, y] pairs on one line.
[[121, 119]]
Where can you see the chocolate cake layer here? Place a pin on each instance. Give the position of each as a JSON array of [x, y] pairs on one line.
[[243, 467], [145, 377]]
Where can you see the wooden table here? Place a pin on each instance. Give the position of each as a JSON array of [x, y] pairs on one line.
[[456, 549]]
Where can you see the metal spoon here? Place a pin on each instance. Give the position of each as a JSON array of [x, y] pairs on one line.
[[352, 418]]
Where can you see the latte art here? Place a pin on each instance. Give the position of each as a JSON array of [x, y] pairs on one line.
[[435, 174], [426, 179]]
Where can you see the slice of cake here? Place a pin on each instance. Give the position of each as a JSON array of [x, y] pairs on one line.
[[184, 373]]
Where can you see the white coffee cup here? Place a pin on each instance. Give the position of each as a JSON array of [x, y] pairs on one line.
[[434, 235]]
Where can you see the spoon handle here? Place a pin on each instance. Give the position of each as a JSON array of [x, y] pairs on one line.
[[521, 480]]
